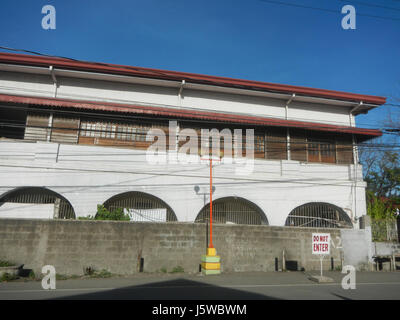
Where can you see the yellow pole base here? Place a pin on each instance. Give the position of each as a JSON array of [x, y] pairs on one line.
[[210, 263], [211, 252]]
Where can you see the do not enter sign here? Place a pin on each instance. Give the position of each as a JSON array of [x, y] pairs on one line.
[[321, 243]]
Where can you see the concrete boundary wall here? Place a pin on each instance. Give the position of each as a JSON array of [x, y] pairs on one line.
[[357, 248], [72, 245]]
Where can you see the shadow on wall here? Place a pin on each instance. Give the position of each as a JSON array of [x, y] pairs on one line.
[[177, 289]]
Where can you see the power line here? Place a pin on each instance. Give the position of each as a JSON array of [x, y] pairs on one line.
[[148, 70], [227, 118], [324, 9], [248, 180], [35, 52], [391, 104], [371, 5], [102, 134], [130, 104]]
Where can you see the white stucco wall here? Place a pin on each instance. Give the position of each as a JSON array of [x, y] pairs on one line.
[[27, 210], [131, 93], [89, 175]]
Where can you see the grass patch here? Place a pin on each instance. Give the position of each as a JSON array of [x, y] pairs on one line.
[[7, 264], [61, 276], [7, 277], [66, 277], [177, 269], [163, 270], [101, 274]]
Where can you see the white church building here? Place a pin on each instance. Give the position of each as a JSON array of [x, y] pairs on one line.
[[75, 135]]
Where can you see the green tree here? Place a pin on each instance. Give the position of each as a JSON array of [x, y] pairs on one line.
[[379, 208], [382, 174], [104, 214], [383, 178]]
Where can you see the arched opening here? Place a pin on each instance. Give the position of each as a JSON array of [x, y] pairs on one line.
[[142, 207], [233, 210], [35, 202], [318, 215]]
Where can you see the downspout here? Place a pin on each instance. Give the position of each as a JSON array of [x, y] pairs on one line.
[[53, 76], [355, 156], [287, 106], [351, 113], [287, 130], [355, 159], [50, 127], [181, 91]]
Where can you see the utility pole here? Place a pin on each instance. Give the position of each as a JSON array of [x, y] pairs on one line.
[[211, 262], [211, 243]]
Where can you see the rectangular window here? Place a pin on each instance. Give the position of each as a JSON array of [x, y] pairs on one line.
[[118, 134], [259, 145], [344, 149], [64, 129], [298, 145], [276, 143], [37, 127], [313, 151], [321, 151]]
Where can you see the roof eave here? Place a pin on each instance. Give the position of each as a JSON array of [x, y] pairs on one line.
[[188, 77]]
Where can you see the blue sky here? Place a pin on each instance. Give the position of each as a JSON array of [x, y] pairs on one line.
[[251, 39]]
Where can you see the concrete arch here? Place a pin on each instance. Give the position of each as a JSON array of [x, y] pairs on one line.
[[144, 206], [318, 215], [63, 208], [233, 210]]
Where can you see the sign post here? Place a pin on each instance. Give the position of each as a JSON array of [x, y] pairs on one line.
[[321, 246]]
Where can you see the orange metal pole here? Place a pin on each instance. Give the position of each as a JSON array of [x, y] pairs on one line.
[[211, 243]]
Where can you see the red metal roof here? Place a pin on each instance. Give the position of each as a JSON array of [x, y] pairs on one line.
[[186, 114], [31, 60]]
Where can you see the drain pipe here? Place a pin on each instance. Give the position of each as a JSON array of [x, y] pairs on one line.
[[53, 76], [180, 92], [287, 130], [287, 105], [355, 159], [351, 112]]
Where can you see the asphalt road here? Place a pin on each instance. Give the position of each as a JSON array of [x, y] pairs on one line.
[[235, 286]]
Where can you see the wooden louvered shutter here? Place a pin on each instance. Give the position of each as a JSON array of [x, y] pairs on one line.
[[321, 147], [65, 130], [328, 151], [259, 145], [276, 143], [165, 128], [192, 137], [298, 145], [344, 150], [37, 127], [313, 150]]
